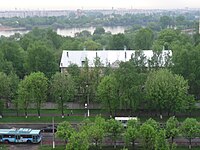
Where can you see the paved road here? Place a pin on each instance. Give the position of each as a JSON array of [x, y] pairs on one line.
[[46, 140]]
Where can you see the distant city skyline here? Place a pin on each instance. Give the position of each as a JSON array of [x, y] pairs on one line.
[[94, 4]]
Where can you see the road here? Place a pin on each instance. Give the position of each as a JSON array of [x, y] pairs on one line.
[[47, 139]]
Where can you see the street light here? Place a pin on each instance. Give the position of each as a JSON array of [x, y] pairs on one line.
[[87, 106]]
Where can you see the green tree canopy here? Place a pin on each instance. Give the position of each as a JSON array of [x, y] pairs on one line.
[[62, 89], [108, 93], [40, 58], [166, 91], [144, 39], [172, 128], [114, 129], [190, 129], [147, 135], [64, 130]]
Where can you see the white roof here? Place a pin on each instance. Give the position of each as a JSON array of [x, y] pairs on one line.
[[112, 57], [125, 118]]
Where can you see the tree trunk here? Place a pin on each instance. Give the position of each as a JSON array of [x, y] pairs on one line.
[[168, 113], [172, 143], [38, 110], [133, 144], [25, 112], [190, 145], [62, 110], [109, 106], [96, 143], [115, 145]]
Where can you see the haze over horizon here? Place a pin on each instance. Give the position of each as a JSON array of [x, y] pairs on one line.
[[92, 4]]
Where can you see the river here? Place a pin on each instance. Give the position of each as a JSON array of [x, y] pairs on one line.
[[68, 31]]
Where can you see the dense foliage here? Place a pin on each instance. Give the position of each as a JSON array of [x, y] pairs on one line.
[[137, 84], [146, 134]]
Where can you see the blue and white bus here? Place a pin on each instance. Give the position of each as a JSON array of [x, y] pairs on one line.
[[21, 135]]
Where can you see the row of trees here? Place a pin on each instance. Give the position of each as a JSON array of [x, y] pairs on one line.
[[40, 50], [149, 134], [122, 89]]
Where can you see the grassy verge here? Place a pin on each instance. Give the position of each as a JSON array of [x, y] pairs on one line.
[[70, 118], [45, 119], [50, 148], [108, 148], [8, 112], [75, 115]]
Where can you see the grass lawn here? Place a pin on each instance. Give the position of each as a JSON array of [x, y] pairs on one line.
[[3, 147], [8, 112], [70, 118], [107, 148], [50, 148], [76, 116], [45, 119]]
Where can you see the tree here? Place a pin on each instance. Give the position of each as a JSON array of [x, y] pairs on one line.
[[166, 91], [167, 37], [54, 38], [118, 41], [24, 96], [99, 31], [161, 142], [91, 45], [83, 33], [5, 88], [165, 21], [186, 59], [40, 58], [190, 129], [78, 141], [33, 89], [39, 84], [140, 61], [1, 108], [62, 88], [153, 123], [129, 84], [114, 129], [96, 77], [97, 130], [14, 80], [64, 130], [144, 39], [108, 93], [13, 53], [132, 132], [147, 134], [172, 128]]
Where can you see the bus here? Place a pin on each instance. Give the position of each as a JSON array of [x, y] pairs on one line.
[[21, 135], [124, 120]]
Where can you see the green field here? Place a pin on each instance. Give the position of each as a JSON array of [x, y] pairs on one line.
[[75, 115], [107, 148]]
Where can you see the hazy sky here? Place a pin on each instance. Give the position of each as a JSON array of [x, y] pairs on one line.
[[96, 4]]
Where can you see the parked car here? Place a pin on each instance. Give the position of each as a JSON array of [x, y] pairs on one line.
[[49, 128]]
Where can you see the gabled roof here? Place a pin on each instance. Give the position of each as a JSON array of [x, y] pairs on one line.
[[112, 57]]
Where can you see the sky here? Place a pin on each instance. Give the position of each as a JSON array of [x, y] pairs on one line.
[[96, 4]]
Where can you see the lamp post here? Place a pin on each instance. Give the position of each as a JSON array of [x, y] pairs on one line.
[[88, 110], [85, 109]]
